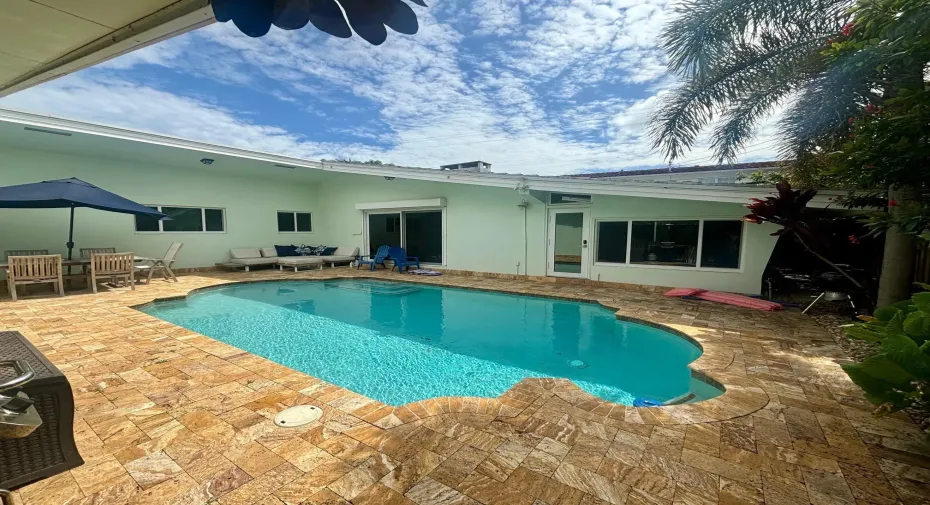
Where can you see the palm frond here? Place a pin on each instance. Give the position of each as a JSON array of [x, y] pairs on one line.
[[686, 111], [706, 33]]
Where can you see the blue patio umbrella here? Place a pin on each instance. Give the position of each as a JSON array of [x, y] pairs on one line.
[[69, 193]]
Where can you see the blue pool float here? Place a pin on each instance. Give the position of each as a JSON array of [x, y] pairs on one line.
[[646, 402]]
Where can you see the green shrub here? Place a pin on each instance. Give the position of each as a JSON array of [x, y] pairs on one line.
[[897, 375]]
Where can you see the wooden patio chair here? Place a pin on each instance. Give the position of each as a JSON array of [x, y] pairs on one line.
[[87, 252], [114, 266], [35, 269]]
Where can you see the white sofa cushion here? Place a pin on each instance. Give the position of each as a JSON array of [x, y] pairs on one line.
[[251, 252], [269, 252], [301, 260], [254, 261], [346, 251]]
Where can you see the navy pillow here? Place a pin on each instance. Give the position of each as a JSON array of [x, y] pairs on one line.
[[286, 250], [328, 251]]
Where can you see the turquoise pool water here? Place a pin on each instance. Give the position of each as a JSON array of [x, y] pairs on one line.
[[401, 342]]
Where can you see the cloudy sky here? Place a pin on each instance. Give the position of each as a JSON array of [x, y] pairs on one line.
[[532, 86]]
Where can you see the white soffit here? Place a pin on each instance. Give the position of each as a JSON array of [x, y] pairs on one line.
[[403, 204], [44, 39]]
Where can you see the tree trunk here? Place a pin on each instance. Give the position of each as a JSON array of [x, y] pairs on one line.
[[894, 284]]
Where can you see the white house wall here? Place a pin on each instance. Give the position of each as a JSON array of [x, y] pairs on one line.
[[484, 225], [250, 204]]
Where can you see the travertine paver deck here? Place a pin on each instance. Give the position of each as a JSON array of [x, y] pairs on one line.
[[168, 416]]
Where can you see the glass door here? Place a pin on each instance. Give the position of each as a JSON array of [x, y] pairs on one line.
[[568, 243], [383, 229], [420, 232]]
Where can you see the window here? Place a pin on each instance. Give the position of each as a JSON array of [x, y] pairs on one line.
[[183, 219], [290, 222], [567, 198], [611, 241], [720, 244], [672, 243]]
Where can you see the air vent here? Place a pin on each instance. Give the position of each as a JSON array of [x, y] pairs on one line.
[[43, 130]]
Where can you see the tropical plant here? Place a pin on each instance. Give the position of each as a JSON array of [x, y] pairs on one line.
[[826, 61], [788, 210], [897, 374]]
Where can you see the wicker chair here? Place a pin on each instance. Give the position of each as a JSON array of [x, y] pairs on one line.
[[44, 269], [114, 266], [50, 449]]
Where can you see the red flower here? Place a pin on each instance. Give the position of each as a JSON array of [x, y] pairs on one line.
[[892, 203], [871, 109], [851, 120], [848, 28], [853, 239]]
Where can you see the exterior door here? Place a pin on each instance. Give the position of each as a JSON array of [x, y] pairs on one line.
[[568, 250]]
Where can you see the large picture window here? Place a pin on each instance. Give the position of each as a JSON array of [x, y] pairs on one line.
[[611, 241], [690, 243], [720, 244], [671, 243], [183, 220]]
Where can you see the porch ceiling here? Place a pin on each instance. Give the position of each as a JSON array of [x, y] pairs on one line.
[[44, 39]]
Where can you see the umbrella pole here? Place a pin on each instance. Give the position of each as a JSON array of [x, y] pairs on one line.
[[70, 243]]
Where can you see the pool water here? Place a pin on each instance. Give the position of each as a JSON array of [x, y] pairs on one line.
[[401, 342]]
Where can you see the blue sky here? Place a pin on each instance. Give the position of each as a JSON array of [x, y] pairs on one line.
[[534, 87]]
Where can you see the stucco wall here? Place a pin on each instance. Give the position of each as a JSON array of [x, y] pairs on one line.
[[251, 207], [484, 225]]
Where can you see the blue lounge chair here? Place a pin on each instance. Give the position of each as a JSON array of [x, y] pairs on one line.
[[401, 260], [377, 259]]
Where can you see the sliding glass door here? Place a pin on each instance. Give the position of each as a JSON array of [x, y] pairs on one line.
[[383, 229], [419, 232], [423, 235]]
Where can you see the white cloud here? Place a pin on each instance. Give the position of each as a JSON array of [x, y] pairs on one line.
[[532, 87]]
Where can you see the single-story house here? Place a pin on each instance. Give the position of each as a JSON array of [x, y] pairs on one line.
[[662, 234]]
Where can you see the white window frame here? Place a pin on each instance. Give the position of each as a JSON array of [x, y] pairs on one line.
[[403, 229], [294, 216], [203, 220], [700, 246]]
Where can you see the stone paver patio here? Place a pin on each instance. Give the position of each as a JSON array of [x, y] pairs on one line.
[[167, 416]]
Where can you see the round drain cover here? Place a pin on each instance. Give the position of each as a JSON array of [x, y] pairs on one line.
[[577, 363], [297, 416]]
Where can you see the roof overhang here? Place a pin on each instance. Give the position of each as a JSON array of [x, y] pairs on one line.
[[525, 184], [40, 41]]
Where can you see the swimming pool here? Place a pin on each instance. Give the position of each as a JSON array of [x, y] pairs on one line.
[[402, 342]]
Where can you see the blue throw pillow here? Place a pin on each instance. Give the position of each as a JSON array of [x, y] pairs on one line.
[[286, 250], [328, 251]]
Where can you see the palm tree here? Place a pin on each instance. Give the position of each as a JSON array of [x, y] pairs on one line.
[[825, 60]]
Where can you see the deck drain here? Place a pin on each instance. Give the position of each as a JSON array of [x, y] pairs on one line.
[[297, 416], [577, 363]]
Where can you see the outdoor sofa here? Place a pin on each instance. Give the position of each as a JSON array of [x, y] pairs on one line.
[[269, 256]]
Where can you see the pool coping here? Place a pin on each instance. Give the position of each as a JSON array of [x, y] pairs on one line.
[[741, 395]]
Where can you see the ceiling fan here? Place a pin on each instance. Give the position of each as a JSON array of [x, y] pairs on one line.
[[368, 18]]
